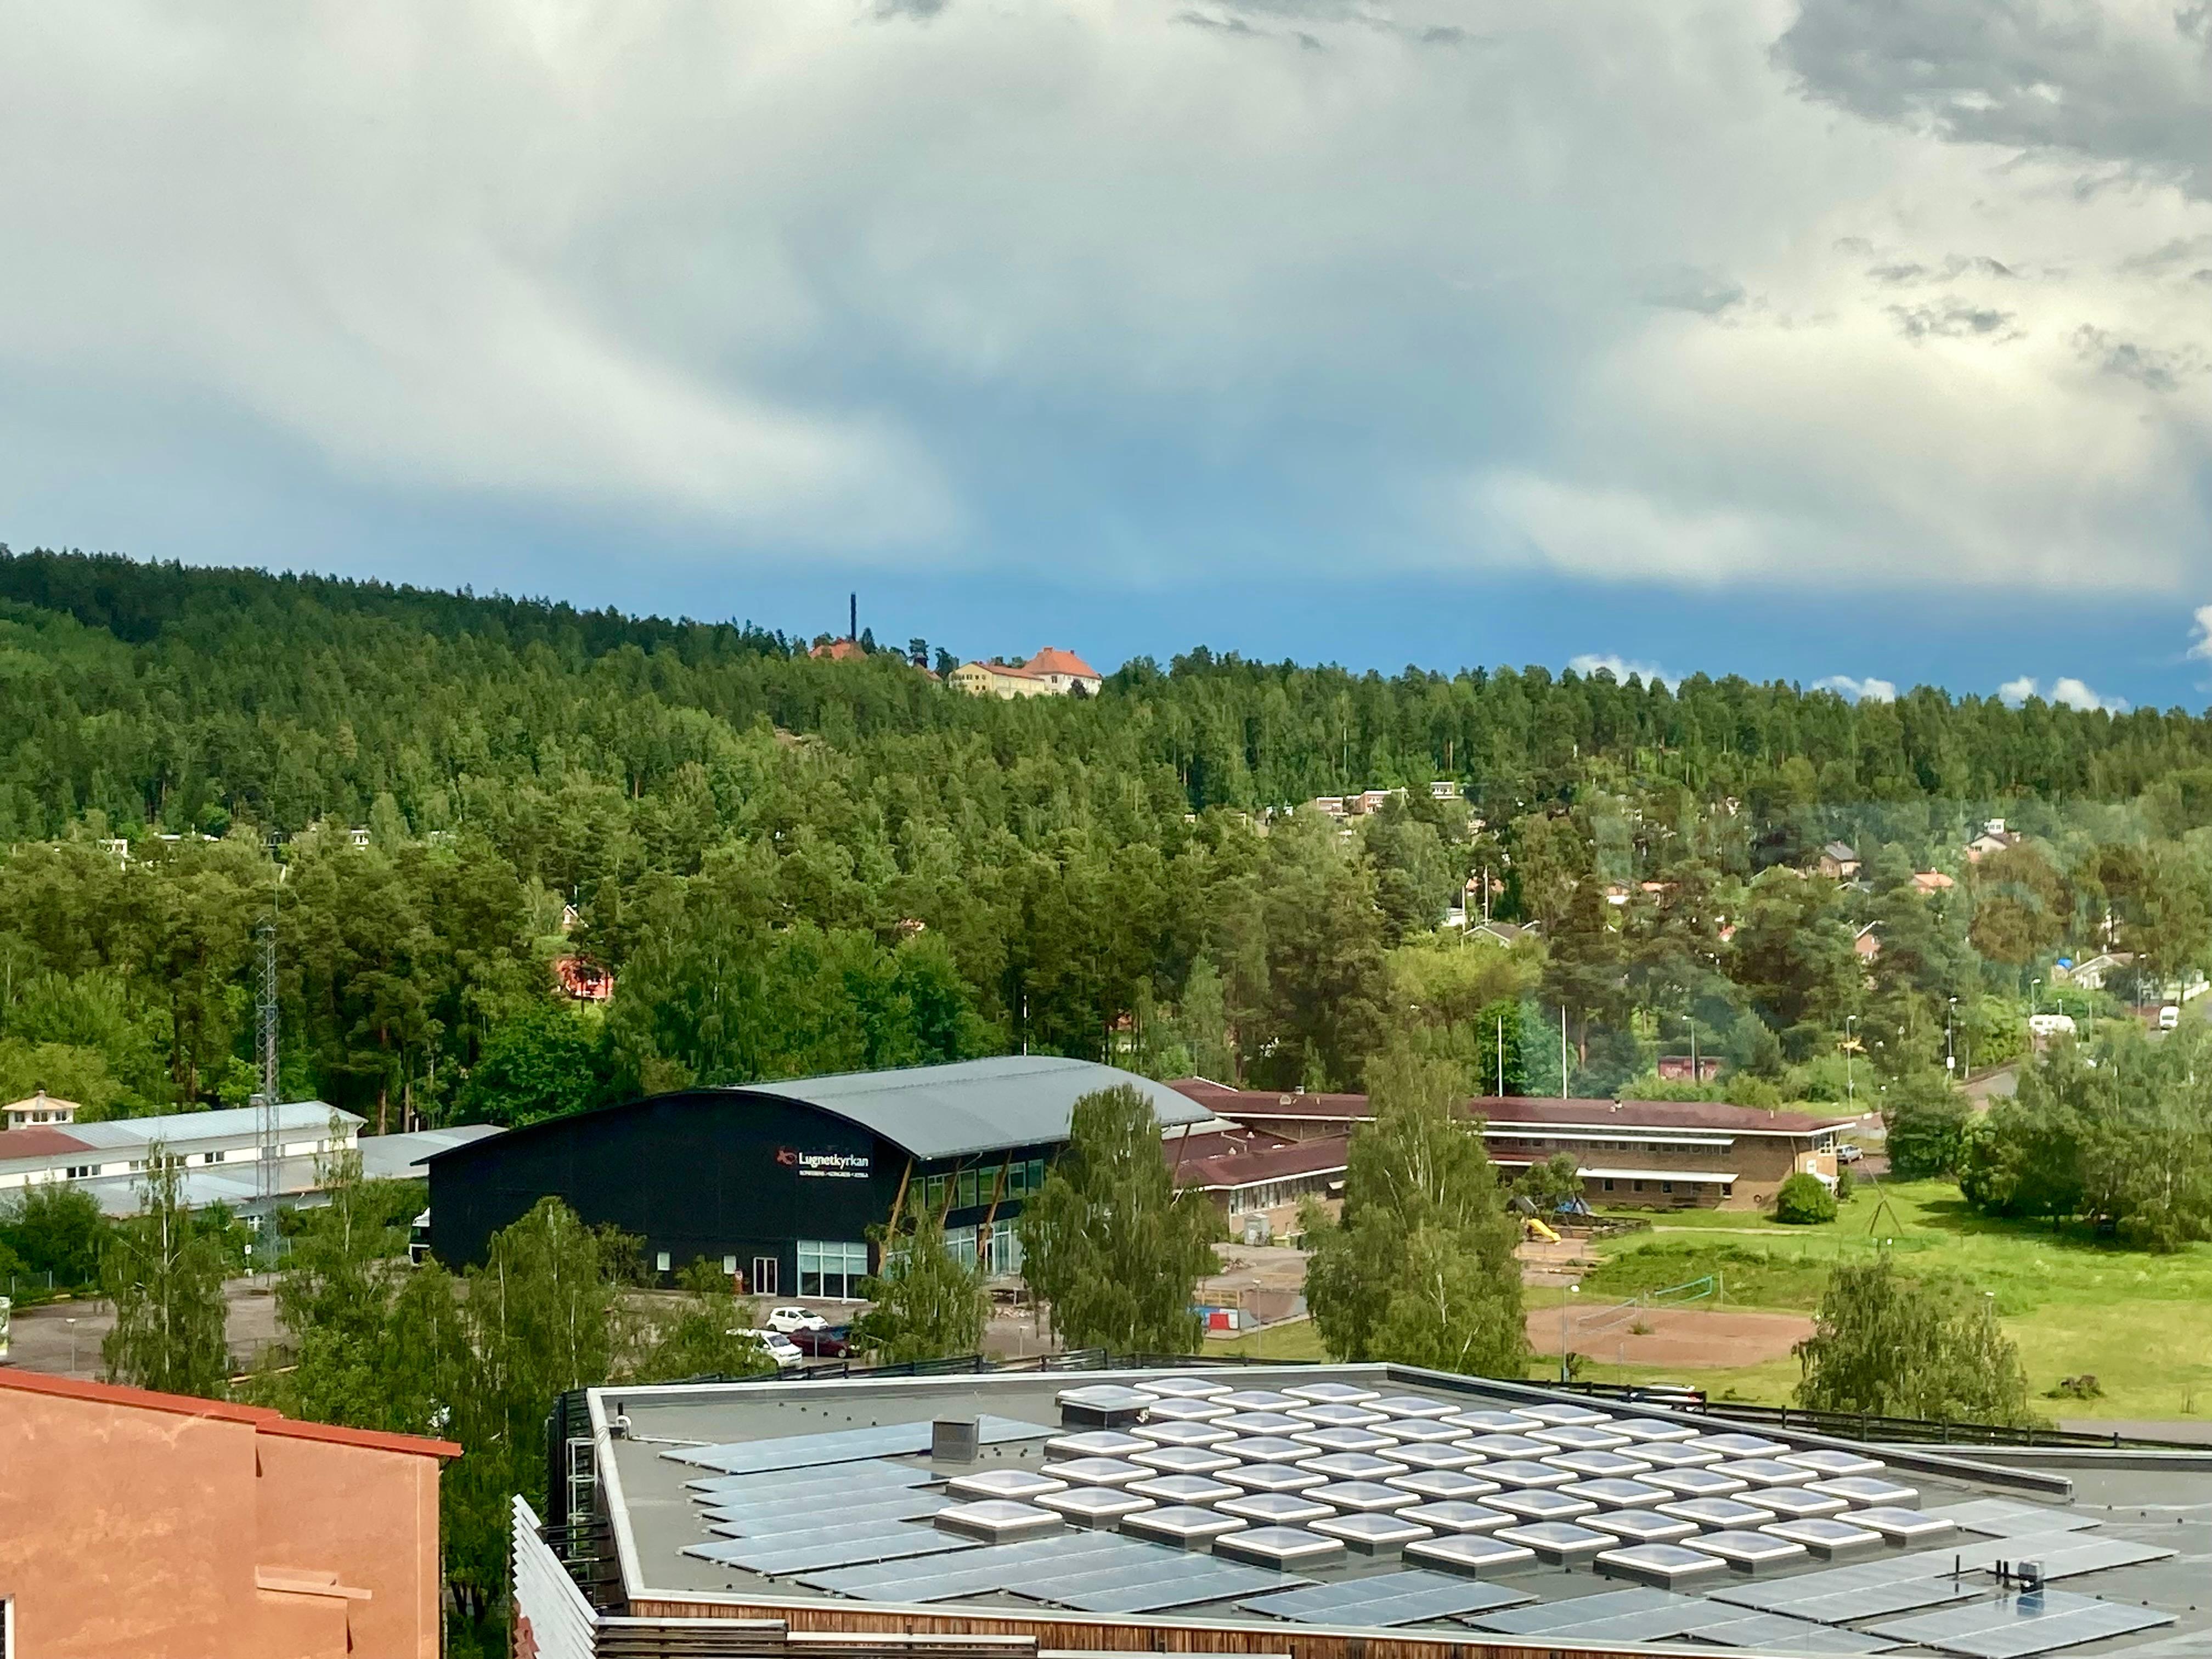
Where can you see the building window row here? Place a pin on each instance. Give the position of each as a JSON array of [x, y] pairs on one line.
[[979, 1185]]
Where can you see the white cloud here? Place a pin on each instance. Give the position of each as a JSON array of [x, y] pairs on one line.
[[2066, 691], [1855, 690], [1628, 292], [2201, 622], [1620, 667]]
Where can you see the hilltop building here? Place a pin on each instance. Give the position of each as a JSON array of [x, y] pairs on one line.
[[1051, 672]]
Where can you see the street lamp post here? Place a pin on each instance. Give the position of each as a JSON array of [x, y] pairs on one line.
[[1950, 1058], [1564, 1294], [72, 1323], [2033, 985], [1850, 1093]]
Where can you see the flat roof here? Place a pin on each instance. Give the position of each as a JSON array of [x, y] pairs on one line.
[[723, 1496]]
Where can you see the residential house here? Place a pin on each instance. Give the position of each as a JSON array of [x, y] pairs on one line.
[[1994, 838], [1838, 861], [1926, 882], [1503, 933], [1867, 942], [1051, 672], [2091, 972], [847, 650], [584, 980]]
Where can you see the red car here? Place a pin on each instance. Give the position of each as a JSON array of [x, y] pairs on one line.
[[827, 1344]]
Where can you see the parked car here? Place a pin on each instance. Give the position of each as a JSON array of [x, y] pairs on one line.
[[2050, 1025], [2168, 1018], [833, 1342], [788, 1319], [1848, 1153], [778, 1347]]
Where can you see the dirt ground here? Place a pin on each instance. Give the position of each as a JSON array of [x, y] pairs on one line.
[[1670, 1336]]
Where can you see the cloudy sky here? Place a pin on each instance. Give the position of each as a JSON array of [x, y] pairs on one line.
[[1844, 340]]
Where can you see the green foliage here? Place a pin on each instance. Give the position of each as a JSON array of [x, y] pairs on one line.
[[1894, 1346], [699, 1337], [1804, 1200], [55, 1228], [1551, 1181], [926, 1305], [539, 1062], [1926, 1118], [1419, 1266], [165, 1277], [1109, 1243], [2121, 1137]]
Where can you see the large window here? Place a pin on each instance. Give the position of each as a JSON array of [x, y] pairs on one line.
[[831, 1270], [960, 1245], [1002, 1249]]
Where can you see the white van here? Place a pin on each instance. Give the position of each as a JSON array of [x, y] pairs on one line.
[[2168, 1018], [2050, 1025]]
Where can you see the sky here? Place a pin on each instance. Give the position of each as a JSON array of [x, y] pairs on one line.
[[1852, 342]]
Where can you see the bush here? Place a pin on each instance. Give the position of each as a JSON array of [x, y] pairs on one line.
[[1844, 1185], [1804, 1200]]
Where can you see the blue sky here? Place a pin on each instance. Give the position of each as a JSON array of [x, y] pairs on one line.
[[1810, 340]]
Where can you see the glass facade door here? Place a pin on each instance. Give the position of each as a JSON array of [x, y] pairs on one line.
[[831, 1269]]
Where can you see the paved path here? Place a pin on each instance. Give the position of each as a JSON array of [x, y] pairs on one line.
[[64, 1337]]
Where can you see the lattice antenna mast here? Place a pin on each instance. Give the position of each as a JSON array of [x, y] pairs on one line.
[[265, 1012]]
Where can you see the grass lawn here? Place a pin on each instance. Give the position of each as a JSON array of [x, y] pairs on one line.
[[2074, 1303]]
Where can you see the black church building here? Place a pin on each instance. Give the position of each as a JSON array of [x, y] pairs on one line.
[[780, 1183]]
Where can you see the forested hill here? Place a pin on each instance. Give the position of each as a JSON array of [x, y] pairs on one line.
[[797, 865], [173, 697]]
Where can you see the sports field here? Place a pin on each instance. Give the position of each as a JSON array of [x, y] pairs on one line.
[[2142, 1324]]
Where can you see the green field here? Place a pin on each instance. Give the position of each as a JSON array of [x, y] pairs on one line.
[[2141, 1323]]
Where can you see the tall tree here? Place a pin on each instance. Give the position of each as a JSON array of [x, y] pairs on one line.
[[1419, 1266], [165, 1280], [1109, 1243], [926, 1305]]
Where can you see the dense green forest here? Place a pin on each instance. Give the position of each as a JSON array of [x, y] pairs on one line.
[[795, 865]]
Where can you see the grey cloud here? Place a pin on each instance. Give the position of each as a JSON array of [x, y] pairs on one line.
[[1892, 274], [1953, 319], [2065, 75], [1699, 291], [1225, 24], [920, 10], [2149, 367]]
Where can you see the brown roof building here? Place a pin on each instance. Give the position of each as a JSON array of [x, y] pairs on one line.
[[1635, 1153], [135, 1524], [1251, 1171]]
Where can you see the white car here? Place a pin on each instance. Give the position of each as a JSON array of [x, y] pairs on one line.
[[1848, 1153], [788, 1319], [778, 1347], [2168, 1018]]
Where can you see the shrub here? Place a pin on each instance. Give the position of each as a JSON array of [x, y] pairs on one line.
[[1804, 1200]]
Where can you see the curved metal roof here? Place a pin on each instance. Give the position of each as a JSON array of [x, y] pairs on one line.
[[973, 1105]]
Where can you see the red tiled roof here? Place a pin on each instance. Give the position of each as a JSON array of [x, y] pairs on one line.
[[1054, 660], [1260, 1106], [838, 651], [264, 1420], [38, 1140]]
